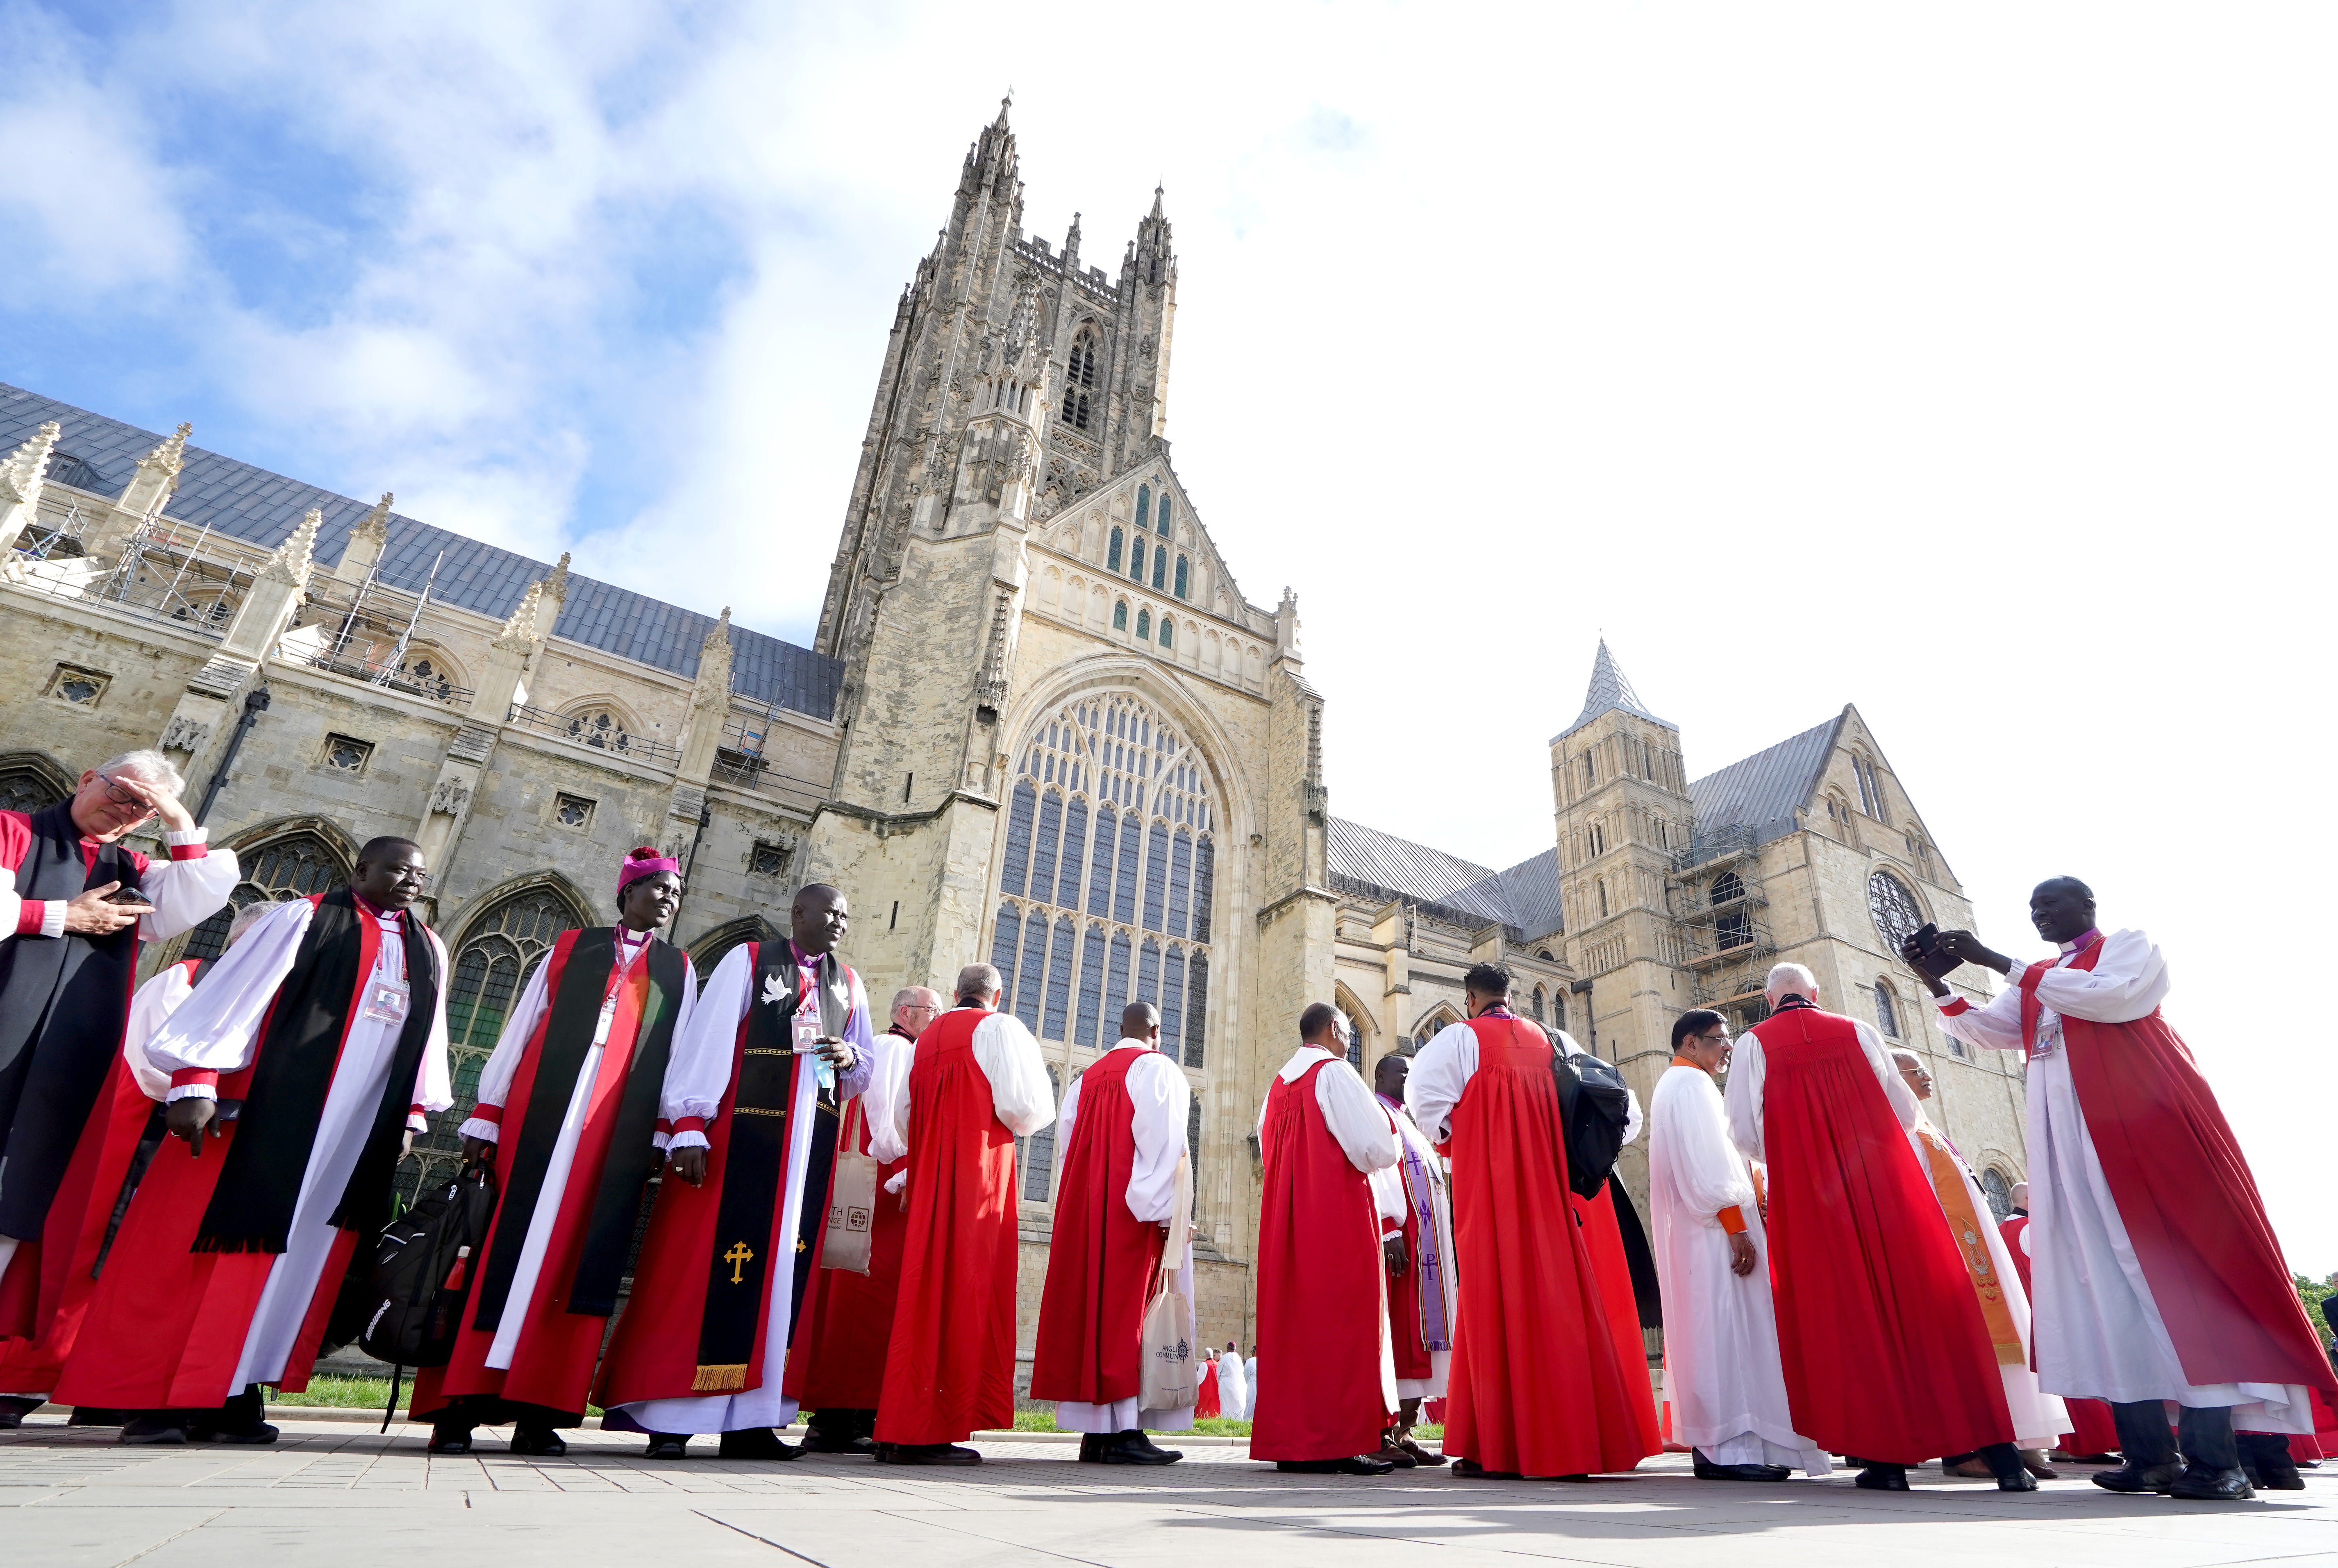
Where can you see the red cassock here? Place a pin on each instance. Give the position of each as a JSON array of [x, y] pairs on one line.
[[1604, 1241], [551, 1361], [1205, 1397], [47, 1292], [1537, 1384], [2187, 1198], [1102, 1259], [1321, 1288], [837, 1358], [949, 1370], [2092, 1430], [1886, 1355]]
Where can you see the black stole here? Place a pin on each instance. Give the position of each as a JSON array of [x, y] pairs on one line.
[[251, 1209], [755, 1163], [570, 1024], [64, 1002]]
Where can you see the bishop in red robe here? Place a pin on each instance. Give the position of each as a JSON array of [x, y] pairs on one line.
[[977, 1085], [836, 1365], [1886, 1353], [1538, 1384], [2159, 1279], [297, 1070], [1329, 1394], [71, 1115], [575, 1079], [1122, 1130]]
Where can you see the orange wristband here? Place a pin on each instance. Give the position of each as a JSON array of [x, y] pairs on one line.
[[1733, 1219]]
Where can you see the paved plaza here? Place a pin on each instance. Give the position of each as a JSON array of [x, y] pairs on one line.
[[343, 1495]]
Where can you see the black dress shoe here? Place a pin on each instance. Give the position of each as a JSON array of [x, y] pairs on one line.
[[927, 1454], [2202, 1484], [542, 1442], [252, 1432], [1420, 1455], [93, 1416], [2016, 1481], [1136, 1448], [2134, 1477], [756, 1443], [1878, 1478], [14, 1407], [1396, 1455], [1706, 1470], [1471, 1470], [821, 1440], [155, 1426], [449, 1439], [667, 1446], [1092, 1447]]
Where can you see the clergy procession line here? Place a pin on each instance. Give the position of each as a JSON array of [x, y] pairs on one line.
[[192, 1168]]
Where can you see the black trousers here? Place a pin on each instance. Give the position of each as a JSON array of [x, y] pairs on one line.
[[2204, 1436]]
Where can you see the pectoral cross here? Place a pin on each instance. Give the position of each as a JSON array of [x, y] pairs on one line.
[[738, 1255]]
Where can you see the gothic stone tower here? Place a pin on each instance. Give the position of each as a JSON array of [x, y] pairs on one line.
[[1070, 746]]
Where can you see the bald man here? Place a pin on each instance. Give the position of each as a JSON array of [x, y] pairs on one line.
[[977, 1083], [1881, 1339]]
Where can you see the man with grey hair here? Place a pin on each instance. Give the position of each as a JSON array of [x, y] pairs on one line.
[[1881, 1336], [977, 1083], [836, 1367], [75, 904]]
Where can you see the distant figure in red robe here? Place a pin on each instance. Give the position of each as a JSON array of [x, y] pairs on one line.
[[978, 1083], [2092, 1437], [2160, 1278], [836, 1366], [1322, 1282], [1124, 1193], [1538, 1386], [1887, 1355], [574, 1087]]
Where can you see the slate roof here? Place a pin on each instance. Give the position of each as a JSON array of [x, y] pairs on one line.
[[262, 508], [1368, 861], [1763, 791]]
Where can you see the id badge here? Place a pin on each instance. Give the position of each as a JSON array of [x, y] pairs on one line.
[[806, 1034], [385, 1002]]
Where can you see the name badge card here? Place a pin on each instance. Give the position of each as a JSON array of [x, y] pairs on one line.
[[385, 1001]]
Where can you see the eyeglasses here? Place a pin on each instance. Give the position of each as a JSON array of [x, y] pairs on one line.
[[116, 795], [1720, 1039]]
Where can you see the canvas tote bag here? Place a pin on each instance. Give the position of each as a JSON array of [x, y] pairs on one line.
[[851, 1197], [1170, 1380]]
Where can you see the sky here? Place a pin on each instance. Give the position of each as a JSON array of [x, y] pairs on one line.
[[1970, 365]]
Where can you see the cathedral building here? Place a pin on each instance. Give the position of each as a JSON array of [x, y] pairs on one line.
[[1040, 725]]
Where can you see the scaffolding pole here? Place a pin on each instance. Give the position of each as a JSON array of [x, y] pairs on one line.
[[406, 638]]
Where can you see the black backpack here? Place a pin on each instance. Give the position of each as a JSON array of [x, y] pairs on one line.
[[421, 1271], [1594, 1108]]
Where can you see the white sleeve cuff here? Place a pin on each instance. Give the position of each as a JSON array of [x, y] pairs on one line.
[[687, 1141], [191, 1091], [192, 836], [2013, 976], [485, 1131], [53, 917], [416, 1122], [898, 1179]]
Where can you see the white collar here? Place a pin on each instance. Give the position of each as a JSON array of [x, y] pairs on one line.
[[1125, 1043], [1303, 1058]]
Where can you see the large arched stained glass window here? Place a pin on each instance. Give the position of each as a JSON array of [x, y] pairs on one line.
[[498, 952], [300, 865], [1107, 878]]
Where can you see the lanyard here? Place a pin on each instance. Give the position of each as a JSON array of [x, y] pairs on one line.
[[628, 952]]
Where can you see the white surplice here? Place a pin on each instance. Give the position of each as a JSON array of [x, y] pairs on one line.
[[1722, 1377], [697, 1075], [2040, 1418], [2100, 1334], [217, 1029], [1234, 1386], [494, 1089], [1158, 1096]]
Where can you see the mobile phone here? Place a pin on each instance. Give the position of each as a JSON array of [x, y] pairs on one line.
[[125, 896]]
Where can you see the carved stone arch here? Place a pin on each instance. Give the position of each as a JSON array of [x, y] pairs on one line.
[[1425, 1029], [604, 721], [711, 947], [281, 858], [1104, 672], [1364, 1029], [580, 906], [34, 781]]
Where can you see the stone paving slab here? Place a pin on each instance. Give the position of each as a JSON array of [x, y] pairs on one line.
[[76, 1498]]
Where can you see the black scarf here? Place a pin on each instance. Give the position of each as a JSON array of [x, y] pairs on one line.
[[570, 1024], [64, 1003], [755, 1161], [251, 1209]]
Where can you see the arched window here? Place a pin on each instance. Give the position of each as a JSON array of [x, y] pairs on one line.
[[1106, 877], [498, 952], [1598, 840], [300, 865], [1038, 1151], [1887, 1016], [29, 782], [1080, 378], [1144, 508], [1603, 897], [1168, 633], [1184, 577], [1120, 614], [1111, 551], [1559, 1010], [1896, 913], [600, 725], [1194, 1141], [1161, 523], [1999, 1193], [1160, 564], [1537, 1004], [1145, 625]]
